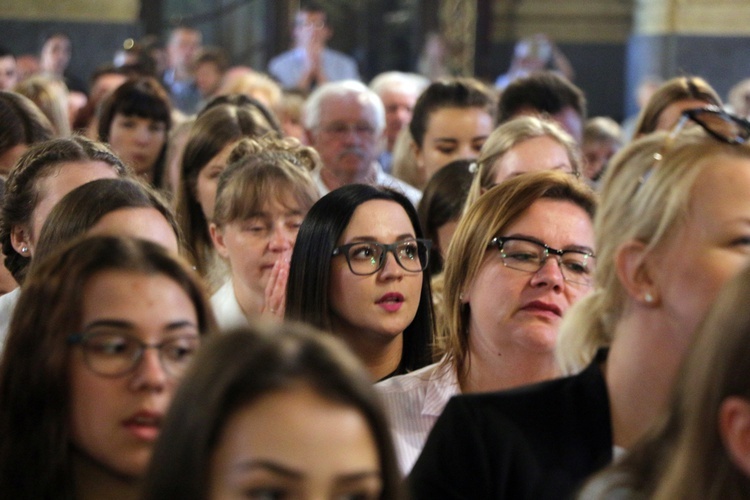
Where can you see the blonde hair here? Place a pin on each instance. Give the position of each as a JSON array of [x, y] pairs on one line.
[[257, 85], [263, 169], [405, 161], [51, 96], [641, 201], [485, 219], [509, 135]]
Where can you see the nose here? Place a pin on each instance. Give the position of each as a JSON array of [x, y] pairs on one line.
[[550, 274], [281, 239], [142, 135], [466, 151], [149, 375], [391, 268]]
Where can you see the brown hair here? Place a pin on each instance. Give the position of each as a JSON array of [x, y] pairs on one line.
[[677, 89]]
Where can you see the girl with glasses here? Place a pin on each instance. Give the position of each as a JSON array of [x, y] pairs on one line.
[[358, 270], [670, 231], [103, 333], [286, 412], [520, 257]]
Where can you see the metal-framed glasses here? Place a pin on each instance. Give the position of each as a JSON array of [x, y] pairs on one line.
[[112, 354], [368, 257], [523, 254]]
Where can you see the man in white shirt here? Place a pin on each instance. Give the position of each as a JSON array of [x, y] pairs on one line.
[[310, 63], [344, 121]]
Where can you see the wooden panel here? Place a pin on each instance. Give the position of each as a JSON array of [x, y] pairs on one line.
[[72, 10]]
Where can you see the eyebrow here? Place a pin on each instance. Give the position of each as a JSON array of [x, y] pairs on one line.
[[127, 325], [373, 239], [268, 465], [575, 248], [288, 472]]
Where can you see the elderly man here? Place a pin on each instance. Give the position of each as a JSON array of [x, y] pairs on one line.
[[399, 92], [343, 121]]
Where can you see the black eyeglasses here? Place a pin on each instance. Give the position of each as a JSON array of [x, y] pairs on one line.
[[523, 254], [368, 257], [719, 124], [111, 354]]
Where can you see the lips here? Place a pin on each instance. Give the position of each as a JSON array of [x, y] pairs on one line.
[[391, 302], [541, 306], [144, 425]]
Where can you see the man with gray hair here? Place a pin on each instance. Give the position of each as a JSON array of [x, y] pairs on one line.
[[399, 92], [344, 121]]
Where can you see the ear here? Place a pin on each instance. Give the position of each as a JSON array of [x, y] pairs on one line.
[[734, 427], [633, 270], [20, 239], [217, 236]]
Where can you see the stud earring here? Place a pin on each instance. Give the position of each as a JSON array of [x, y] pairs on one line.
[[24, 249], [648, 298]]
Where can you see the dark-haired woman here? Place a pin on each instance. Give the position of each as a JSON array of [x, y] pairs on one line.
[[359, 270]]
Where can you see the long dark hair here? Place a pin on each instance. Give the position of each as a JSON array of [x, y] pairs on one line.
[[307, 298], [35, 452], [234, 371]]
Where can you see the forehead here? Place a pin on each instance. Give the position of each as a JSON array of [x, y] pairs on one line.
[[57, 41], [380, 219], [348, 108]]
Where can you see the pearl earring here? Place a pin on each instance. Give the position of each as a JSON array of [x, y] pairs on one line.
[[648, 298], [24, 249]]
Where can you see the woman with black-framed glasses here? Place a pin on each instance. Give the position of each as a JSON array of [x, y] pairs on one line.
[[103, 333], [671, 230], [521, 255], [359, 270]]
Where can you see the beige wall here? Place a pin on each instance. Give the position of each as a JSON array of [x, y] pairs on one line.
[[568, 21], [692, 17], [71, 10]]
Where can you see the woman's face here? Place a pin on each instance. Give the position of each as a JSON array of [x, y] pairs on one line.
[[531, 155], [293, 443], [253, 245], [114, 421], [381, 304], [208, 180], [709, 248], [452, 134], [138, 141], [145, 223], [520, 312]]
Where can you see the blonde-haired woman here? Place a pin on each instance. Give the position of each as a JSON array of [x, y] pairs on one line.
[[503, 298], [524, 144], [670, 232], [700, 450], [261, 199]]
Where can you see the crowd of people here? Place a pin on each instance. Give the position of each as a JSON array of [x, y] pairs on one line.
[[225, 283]]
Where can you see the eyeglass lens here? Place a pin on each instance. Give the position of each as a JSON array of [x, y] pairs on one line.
[[114, 354], [368, 257], [522, 255]]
